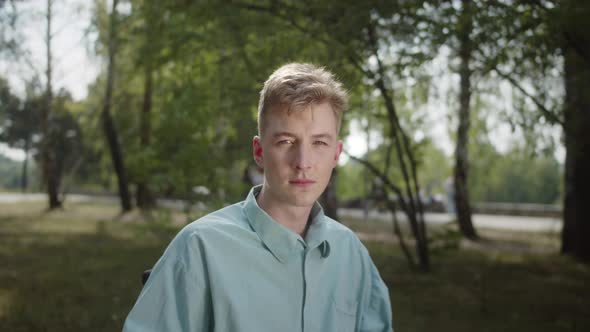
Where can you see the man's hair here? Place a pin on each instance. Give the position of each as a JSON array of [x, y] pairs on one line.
[[298, 85]]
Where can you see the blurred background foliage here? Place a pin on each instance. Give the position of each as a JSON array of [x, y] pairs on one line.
[[206, 62], [468, 101]]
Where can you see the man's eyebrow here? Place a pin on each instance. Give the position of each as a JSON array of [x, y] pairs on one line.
[[283, 134], [316, 136], [324, 136]]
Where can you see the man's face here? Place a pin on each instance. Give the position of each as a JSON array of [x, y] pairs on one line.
[[298, 151]]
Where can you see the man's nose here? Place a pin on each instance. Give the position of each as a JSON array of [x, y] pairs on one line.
[[303, 157]]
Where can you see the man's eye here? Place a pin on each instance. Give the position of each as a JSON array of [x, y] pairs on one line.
[[285, 142], [320, 143]]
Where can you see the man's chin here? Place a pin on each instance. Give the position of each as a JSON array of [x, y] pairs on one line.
[[305, 200], [299, 197]]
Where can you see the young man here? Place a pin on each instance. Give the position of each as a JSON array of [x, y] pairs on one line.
[[273, 262]]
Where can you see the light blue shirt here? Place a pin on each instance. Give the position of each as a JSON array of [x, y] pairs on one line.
[[237, 269]]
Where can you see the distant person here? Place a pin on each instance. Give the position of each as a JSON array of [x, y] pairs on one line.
[[273, 262]]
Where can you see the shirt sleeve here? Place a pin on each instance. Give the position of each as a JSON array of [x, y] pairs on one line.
[[175, 298], [377, 315]]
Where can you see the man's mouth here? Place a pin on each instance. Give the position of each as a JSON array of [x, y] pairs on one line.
[[302, 182]]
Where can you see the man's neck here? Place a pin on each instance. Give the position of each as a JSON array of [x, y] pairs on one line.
[[293, 217]]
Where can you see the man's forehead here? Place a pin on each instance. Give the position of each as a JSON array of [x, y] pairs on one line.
[[293, 124], [321, 111]]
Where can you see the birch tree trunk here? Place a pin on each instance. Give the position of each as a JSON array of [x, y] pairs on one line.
[[108, 123], [50, 175], [462, 203]]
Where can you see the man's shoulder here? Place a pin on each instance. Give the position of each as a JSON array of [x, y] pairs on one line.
[[337, 228], [340, 233], [210, 233], [227, 218]]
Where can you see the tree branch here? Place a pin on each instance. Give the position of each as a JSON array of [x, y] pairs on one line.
[[551, 116], [382, 177]]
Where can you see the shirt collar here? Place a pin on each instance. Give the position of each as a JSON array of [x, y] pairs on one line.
[[280, 240]]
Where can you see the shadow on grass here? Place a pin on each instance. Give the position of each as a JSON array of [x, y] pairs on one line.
[[474, 290], [72, 272], [73, 282]]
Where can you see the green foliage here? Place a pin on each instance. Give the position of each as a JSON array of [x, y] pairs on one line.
[[19, 120], [514, 177], [21, 123], [353, 181], [65, 135], [208, 64], [209, 60], [433, 167], [526, 173], [9, 173]]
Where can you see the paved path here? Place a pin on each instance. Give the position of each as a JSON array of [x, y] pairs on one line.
[[6, 198], [518, 223], [16, 197]]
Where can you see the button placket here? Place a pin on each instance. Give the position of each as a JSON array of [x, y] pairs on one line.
[[313, 262], [304, 313]]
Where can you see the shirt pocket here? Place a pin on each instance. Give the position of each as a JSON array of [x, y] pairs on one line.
[[344, 313]]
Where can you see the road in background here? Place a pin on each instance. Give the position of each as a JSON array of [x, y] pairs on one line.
[[517, 223]]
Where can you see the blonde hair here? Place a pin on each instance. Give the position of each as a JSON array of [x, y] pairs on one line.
[[297, 85]]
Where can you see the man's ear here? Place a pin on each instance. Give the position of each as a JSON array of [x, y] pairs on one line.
[[338, 152], [257, 151]]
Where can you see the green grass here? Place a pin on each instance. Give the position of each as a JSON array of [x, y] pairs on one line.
[[475, 290], [72, 270], [79, 270]]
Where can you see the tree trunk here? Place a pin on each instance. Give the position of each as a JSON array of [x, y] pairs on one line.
[[462, 204], [145, 199], [50, 177], [24, 177], [576, 215], [108, 124], [328, 199], [412, 207]]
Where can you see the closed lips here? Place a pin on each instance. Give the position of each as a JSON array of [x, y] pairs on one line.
[[302, 181]]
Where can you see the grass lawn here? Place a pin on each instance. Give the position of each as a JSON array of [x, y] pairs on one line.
[[79, 270]]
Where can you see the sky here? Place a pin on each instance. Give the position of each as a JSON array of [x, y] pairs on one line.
[[75, 67]]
